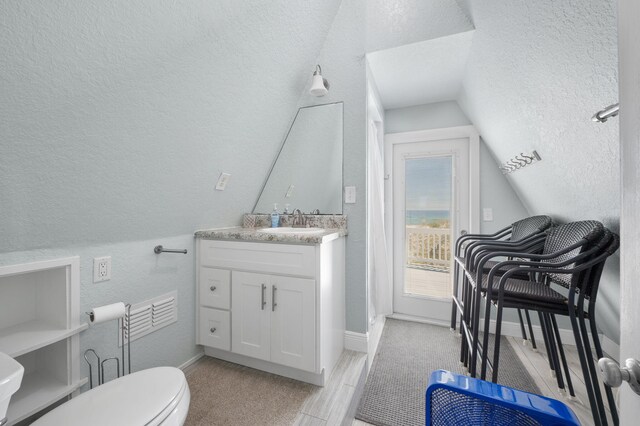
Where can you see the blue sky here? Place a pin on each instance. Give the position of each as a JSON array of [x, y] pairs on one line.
[[428, 183]]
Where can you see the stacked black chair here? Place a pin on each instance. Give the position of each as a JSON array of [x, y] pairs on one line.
[[573, 257], [522, 235]]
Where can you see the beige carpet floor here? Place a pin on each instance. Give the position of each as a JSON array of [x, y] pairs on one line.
[[223, 393]]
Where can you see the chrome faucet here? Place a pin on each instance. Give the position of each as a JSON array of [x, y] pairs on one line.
[[298, 219]]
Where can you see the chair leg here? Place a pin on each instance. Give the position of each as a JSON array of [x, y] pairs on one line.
[[485, 338], [477, 298], [522, 330], [454, 307], [496, 347], [585, 372], [600, 354], [565, 365], [554, 351], [545, 337], [592, 369], [533, 338], [464, 348]]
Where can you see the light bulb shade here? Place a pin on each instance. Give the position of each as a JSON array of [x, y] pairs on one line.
[[319, 85]]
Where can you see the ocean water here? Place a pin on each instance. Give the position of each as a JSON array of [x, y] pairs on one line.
[[426, 217]]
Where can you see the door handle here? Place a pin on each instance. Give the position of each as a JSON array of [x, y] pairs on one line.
[[613, 375], [263, 302], [273, 298]]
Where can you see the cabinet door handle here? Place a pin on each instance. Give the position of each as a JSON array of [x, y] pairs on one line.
[[263, 302], [213, 330], [213, 288], [273, 298]]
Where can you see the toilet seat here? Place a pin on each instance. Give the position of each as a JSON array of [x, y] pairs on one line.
[[156, 396]]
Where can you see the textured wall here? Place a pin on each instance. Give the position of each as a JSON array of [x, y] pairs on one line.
[[343, 65], [117, 118], [536, 74], [137, 274]]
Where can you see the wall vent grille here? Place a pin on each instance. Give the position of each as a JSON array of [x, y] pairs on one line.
[[150, 315]]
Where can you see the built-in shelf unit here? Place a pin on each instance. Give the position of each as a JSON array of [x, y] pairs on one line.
[[39, 327]]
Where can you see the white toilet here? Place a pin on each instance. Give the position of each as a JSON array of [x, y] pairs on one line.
[[11, 373], [156, 396]]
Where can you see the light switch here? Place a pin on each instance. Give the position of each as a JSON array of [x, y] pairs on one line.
[[487, 214], [222, 181], [350, 194], [289, 191]]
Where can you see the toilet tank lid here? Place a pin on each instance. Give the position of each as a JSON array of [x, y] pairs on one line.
[[11, 373], [135, 399]]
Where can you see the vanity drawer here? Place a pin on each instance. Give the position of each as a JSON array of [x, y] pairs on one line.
[[287, 259], [215, 288], [215, 328]]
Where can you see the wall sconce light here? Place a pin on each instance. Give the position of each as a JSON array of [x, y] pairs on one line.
[[320, 85]]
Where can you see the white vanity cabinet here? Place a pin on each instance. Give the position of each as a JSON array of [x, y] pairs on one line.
[[273, 306], [274, 318]]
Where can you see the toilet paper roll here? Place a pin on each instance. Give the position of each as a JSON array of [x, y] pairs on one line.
[[107, 313]]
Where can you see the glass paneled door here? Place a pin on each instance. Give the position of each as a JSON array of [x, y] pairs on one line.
[[430, 197]]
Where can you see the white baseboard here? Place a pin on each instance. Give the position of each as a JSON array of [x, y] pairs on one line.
[[317, 379], [403, 317], [512, 329], [374, 339], [358, 342], [368, 342], [610, 347], [191, 361]]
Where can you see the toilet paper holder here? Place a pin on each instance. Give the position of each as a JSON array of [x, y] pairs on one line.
[[126, 362]]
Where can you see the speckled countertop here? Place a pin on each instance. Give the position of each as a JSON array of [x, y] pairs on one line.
[[239, 233]]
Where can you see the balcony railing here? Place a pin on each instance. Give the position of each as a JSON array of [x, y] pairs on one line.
[[428, 248]]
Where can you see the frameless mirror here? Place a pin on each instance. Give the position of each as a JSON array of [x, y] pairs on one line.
[[307, 172]]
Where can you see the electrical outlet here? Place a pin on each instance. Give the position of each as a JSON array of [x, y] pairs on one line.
[[487, 214], [101, 269], [289, 191]]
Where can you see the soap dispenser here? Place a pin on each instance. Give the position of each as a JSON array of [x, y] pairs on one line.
[[275, 216]]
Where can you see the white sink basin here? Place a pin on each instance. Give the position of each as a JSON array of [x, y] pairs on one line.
[[292, 231]]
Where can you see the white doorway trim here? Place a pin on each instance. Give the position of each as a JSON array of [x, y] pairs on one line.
[[469, 132]]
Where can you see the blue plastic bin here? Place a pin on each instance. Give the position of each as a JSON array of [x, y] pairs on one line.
[[454, 400]]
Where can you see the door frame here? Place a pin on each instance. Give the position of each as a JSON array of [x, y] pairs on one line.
[[629, 91], [459, 132]]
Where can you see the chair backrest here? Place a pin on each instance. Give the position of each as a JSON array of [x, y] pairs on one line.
[[584, 233], [608, 245], [530, 226]]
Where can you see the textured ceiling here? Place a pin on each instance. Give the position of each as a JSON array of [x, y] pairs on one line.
[[421, 73], [393, 23]]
